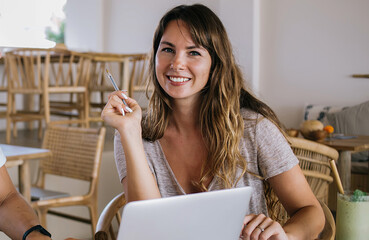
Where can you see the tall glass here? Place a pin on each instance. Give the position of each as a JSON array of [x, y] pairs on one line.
[[352, 221]]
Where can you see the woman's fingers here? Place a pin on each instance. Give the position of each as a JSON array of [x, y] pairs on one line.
[[116, 102], [120, 105], [251, 223], [261, 227]]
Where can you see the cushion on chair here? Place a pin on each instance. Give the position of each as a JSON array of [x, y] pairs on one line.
[[44, 194], [319, 112], [352, 120]]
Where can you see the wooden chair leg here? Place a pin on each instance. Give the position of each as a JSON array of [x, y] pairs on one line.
[[94, 216], [41, 213], [40, 129], [8, 130], [15, 132], [111, 231]]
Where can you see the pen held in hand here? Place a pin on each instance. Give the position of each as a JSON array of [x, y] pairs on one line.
[[117, 89]]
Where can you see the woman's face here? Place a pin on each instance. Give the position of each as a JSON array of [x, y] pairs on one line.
[[182, 68]]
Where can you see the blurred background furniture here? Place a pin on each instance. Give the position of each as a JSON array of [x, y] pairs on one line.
[[99, 86], [39, 74], [128, 70], [3, 90], [20, 156], [352, 120], [139, 87], [76, 154], [346, 147]]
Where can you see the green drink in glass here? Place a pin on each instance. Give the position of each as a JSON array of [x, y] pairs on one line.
[[352, 220]]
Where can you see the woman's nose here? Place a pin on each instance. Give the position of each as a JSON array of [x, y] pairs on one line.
[[178, 62]]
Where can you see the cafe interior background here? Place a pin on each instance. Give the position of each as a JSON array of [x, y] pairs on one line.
[[293, 53]]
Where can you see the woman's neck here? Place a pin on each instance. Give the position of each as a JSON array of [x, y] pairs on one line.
[[185, 116]]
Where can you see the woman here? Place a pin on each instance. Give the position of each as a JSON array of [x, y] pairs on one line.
[[204, 131], [17, 218]]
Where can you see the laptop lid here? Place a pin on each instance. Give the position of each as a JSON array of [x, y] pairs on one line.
[[216, 215]]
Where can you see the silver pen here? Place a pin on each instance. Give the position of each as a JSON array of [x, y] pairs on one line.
[[117, 89]]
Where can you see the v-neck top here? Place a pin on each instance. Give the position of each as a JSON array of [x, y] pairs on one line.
[[264, 148]]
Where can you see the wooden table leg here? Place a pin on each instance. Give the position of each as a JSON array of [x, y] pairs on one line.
[[344, 169], [25, 181]]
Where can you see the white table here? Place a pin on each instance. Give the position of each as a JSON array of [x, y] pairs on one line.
[[20, 156]]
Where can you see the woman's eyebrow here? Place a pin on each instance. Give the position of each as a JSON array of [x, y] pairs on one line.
[[172, 45], [168, 43]]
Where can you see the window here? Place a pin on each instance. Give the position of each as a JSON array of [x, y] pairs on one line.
[[25, 23]]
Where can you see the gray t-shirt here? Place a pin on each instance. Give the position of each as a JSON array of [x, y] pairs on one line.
[[263, 146]]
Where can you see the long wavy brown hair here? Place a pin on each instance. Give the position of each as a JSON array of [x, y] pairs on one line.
[[222, 98]]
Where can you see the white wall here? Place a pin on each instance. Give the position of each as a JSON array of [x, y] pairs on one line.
[[130, 25], [309, 49], [84, 25], [237, 17]]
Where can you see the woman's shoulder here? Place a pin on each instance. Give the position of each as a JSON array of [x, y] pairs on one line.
[[250, 117]]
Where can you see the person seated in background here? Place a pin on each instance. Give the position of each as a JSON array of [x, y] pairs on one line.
[[17, 218], [205, 131]]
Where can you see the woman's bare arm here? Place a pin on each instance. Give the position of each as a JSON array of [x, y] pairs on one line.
[[139, 184], [307, 216]]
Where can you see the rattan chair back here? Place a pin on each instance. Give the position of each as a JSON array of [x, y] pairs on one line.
[[76, 153], [46, 74], [100, 86]]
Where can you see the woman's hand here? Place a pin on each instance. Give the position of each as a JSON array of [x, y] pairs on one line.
[[120, 116], [261, 227]]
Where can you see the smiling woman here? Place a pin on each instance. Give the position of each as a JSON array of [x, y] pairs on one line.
[[205, 131]]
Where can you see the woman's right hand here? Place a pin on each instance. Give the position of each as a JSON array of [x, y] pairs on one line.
[[262, 227], [113, 114]]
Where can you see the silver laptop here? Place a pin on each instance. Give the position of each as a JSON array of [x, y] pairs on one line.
[[215, 215]]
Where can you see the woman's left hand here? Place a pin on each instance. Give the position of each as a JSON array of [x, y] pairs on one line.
[[262, 227]]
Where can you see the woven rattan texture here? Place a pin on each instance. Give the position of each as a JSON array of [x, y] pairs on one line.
[[314, 161], [73, 152]]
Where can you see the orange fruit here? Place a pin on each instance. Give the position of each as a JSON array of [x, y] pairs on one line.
[[328, 129]]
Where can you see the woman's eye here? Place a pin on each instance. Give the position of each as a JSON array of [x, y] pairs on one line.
[[169, 50], [195, 53]]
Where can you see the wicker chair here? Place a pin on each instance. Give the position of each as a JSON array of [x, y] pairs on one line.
[[50, 75], [100, 86], [139, 79], [104, 227], [76, 154]]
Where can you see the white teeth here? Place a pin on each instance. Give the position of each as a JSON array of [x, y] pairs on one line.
[[179, 79]]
